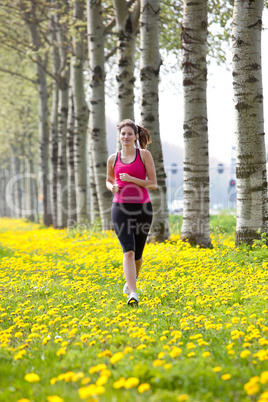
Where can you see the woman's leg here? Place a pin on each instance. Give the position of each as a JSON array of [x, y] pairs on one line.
[[130, 270], [138, 266], [144, 221], [126, 237]]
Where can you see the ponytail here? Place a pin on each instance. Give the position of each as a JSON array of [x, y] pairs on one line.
[[144, 137]]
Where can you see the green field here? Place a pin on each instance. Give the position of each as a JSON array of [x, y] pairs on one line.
[[200, 332]]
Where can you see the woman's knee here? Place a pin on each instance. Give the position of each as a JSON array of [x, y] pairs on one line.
[[129, 254]]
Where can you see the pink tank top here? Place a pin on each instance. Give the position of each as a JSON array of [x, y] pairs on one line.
[[130, 193]]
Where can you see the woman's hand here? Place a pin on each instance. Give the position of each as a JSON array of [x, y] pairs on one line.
[[115, 188], [125, 177]]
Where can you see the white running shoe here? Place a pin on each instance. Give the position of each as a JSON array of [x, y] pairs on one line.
[[126, 289], [133, 299]]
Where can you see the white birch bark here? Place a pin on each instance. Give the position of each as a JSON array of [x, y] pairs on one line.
[[252, 213], [97, 108], [127, 27], [44, 142], [195, 226], [2, 192], [94, 204], [62, 201], [72, 216], [17, 187], [29, 15], [81, 113], [64, 76], [53, 134], [150, 63], [29, 207], [33, 191]]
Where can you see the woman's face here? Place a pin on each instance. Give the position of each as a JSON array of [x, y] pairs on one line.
[[127, 136]]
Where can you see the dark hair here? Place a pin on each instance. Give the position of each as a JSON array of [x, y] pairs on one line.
[[144, 135]]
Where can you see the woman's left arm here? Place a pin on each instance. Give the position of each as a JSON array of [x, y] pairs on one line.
[[150, 183]]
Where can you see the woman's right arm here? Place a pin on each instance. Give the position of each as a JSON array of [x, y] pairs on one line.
[[110, 178]]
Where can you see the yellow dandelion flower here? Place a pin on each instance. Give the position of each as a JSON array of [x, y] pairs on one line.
[[251, 388], [244, 354], [226, 377], [127, 350], [106, 372], [264, 396], [61, 351], [90, 390], [205, 354], [20, 354], [102, 380], [175, 352], [97, 368], [143, 387], [120, 383], [116, 357], [131, 382], [264, 377], [85, 380], [32, 377], [182, 398], [191, 354], [77, 376], [23, 400], [158, 362], [216, 369], [105, 353], [54, 398], [140, 347], [167, 366]]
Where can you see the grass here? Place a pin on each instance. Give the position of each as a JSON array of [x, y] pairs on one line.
[[66, 333], [221, 223]]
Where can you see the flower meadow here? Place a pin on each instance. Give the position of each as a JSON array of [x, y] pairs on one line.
[[200, 332]]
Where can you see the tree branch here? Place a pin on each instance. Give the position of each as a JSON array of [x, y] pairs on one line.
[[18, 75], [110, 53]]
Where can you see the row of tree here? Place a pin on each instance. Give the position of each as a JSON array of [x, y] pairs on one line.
[[69, 43]]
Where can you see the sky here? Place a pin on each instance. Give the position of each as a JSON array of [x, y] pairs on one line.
[[219, 101]]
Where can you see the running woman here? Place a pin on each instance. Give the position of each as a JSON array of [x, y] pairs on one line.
[[130, 174]]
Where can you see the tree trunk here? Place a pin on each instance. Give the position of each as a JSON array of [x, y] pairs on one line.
[[54, 122], [17, 187], [80, 114], [44, 142], [10, 188], [72, 216], [127, 27], [2, 193], [149, 74], [195, 226], [252, 214], [94, 204], [64, 76], [29, 16], [62, 200], [97, 108], [34, 192]]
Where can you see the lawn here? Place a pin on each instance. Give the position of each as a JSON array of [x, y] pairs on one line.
[[199, 334]]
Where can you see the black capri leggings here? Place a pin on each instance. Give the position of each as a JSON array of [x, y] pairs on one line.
[[132, 224]]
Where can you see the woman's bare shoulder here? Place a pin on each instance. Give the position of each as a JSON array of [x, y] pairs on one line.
[[145, 155], [111, 158]]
